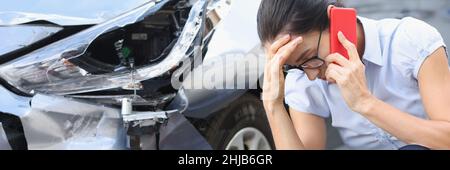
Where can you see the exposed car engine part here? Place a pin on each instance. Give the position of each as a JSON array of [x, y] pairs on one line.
[[146, 42]]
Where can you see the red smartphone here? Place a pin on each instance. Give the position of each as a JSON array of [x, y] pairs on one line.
[[342, 19]]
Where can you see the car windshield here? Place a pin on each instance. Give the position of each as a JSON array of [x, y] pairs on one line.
[[64, 12]]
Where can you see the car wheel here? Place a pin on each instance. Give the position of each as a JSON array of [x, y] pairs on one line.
[[242, 125]]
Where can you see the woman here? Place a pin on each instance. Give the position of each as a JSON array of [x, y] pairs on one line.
[[393, 92]]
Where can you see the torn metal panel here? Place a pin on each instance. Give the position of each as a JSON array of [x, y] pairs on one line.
[[177, 134], [64, 12], [46, 70], [63, 123], [16, 37], [4, 144]]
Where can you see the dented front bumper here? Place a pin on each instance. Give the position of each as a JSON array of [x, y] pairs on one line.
[[60, 123]]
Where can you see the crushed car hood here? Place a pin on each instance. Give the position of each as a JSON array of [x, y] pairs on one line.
[[64, 12], [24, 35]]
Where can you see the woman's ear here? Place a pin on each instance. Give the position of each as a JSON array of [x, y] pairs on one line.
[[329, 9]]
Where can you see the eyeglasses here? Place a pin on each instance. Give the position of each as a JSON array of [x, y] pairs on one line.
[[312, 63]]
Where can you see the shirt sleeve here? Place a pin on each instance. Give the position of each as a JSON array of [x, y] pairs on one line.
[[304, 95], [424, 39]]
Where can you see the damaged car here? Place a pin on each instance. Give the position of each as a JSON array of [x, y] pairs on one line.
[[99, 75]]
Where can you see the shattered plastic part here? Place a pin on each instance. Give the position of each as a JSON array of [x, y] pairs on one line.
[[4, 144], [56, 122], [23, 36], [46, 71]]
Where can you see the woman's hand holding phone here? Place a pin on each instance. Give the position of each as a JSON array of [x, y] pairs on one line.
[[349, 75], [277, 54]]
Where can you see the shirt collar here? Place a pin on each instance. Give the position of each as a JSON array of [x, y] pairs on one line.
[[372, 50]]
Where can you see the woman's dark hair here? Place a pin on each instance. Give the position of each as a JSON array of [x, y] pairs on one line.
[[291, 16]]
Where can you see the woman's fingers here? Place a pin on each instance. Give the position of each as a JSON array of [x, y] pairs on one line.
[[337, 59], [351, 48], [273, 75], [285, 52], [273, 49], [334, 73], [277, 63]]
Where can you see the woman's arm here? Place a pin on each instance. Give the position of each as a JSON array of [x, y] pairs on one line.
[[303, 131], [289, 132], [311, 129], [283, 130], [434, 84]]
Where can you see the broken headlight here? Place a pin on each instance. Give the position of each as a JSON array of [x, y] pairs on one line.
[[51, 69]]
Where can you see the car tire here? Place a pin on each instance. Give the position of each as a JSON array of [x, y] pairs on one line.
[[242, 125]]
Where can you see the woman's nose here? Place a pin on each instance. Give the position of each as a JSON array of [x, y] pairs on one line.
[[312, 73]]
